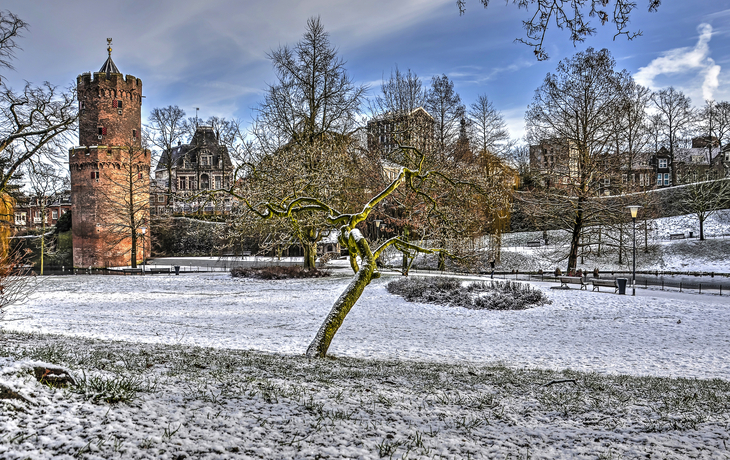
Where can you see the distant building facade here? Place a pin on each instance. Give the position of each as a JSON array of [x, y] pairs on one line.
[[189, 170], [414, 129]]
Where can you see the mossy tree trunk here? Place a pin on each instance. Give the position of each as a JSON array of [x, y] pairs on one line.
[[365, 273]]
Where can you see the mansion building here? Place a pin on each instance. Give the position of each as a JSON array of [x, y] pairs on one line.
[[186, 172]]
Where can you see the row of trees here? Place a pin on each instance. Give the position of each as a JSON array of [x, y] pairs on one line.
[[607, 122]]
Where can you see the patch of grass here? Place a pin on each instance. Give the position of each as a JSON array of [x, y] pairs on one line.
[[484, 295], [277, 273], [111, 390]]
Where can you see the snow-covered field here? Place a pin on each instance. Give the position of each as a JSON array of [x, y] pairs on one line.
[[207, 366], [654, 333]]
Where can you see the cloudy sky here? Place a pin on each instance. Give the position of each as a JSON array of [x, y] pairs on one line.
[[212, 54]]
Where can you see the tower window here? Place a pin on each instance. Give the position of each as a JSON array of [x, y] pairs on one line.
[[117, 104], [95, 175], [134, 133]]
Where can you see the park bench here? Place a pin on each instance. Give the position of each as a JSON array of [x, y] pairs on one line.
[[676, 236], [155, 270], [534, 244], [131, 270], [597, 283], [566, 280]]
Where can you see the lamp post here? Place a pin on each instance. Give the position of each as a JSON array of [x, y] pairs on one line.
[[144, 231], [634, 211], [377, 228]]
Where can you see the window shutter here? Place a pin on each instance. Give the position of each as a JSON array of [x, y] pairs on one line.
[[114, 103], [103, 131]]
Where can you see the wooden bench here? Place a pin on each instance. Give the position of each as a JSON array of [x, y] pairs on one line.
[[132, 270], [597, 283], [566, 280], [676, 236], [534, 244]]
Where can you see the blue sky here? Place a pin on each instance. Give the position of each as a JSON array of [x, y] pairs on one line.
[[212, 54]]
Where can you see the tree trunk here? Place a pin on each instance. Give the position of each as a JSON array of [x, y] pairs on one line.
[[620, 244], [575, 240], [310, 254], [321, 342], [442, 261], [702, 228]]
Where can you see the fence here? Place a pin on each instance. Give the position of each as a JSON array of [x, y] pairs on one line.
[[642, 281]]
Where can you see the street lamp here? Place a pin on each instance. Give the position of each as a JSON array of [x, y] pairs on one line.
[[144, 230], [634, 211]]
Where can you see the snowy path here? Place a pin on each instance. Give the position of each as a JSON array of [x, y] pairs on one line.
[[655, 333]]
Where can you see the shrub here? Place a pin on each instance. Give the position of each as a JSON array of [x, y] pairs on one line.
[[277, 273], [485, 295]]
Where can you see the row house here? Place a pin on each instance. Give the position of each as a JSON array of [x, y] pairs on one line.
[[32, 212]]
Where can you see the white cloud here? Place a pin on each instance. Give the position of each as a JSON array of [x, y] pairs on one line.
[[685, 61]]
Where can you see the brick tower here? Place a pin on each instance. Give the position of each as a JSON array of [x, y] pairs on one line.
[[109, 171]]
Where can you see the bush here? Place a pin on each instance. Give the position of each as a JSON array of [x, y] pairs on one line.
[[485, 295], [277, 273]]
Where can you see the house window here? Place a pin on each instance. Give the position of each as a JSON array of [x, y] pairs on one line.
[[218, 182], [606, 181], [54, 215], [160, 210], [662, 163], [659, 179], [160, 198], [666, 178], [20, 218]]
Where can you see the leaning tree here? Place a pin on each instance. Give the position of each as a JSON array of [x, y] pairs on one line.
[[444, 200]]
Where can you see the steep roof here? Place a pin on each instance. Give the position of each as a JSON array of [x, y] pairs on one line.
[[109, 67]]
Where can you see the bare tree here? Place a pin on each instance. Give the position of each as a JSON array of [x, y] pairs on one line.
[[632, 134], [32, 118], [127, 197], [10, 28], [714, 122], [703, 199], [16, 279], [401, 94], [165, 128], [489, 131], [311, 112], [575, 109], [45, 184], [676, 118], [573, 15], [444, 105]]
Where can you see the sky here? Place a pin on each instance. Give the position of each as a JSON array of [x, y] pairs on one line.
[[213, 54]]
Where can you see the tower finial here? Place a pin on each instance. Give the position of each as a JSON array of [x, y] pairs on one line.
[[109, 43]]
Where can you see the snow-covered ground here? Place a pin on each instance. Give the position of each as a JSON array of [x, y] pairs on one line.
[[588, 331], [688, 255], [412, 380]]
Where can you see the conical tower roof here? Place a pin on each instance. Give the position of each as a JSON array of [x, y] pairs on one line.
[[109, 67]]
